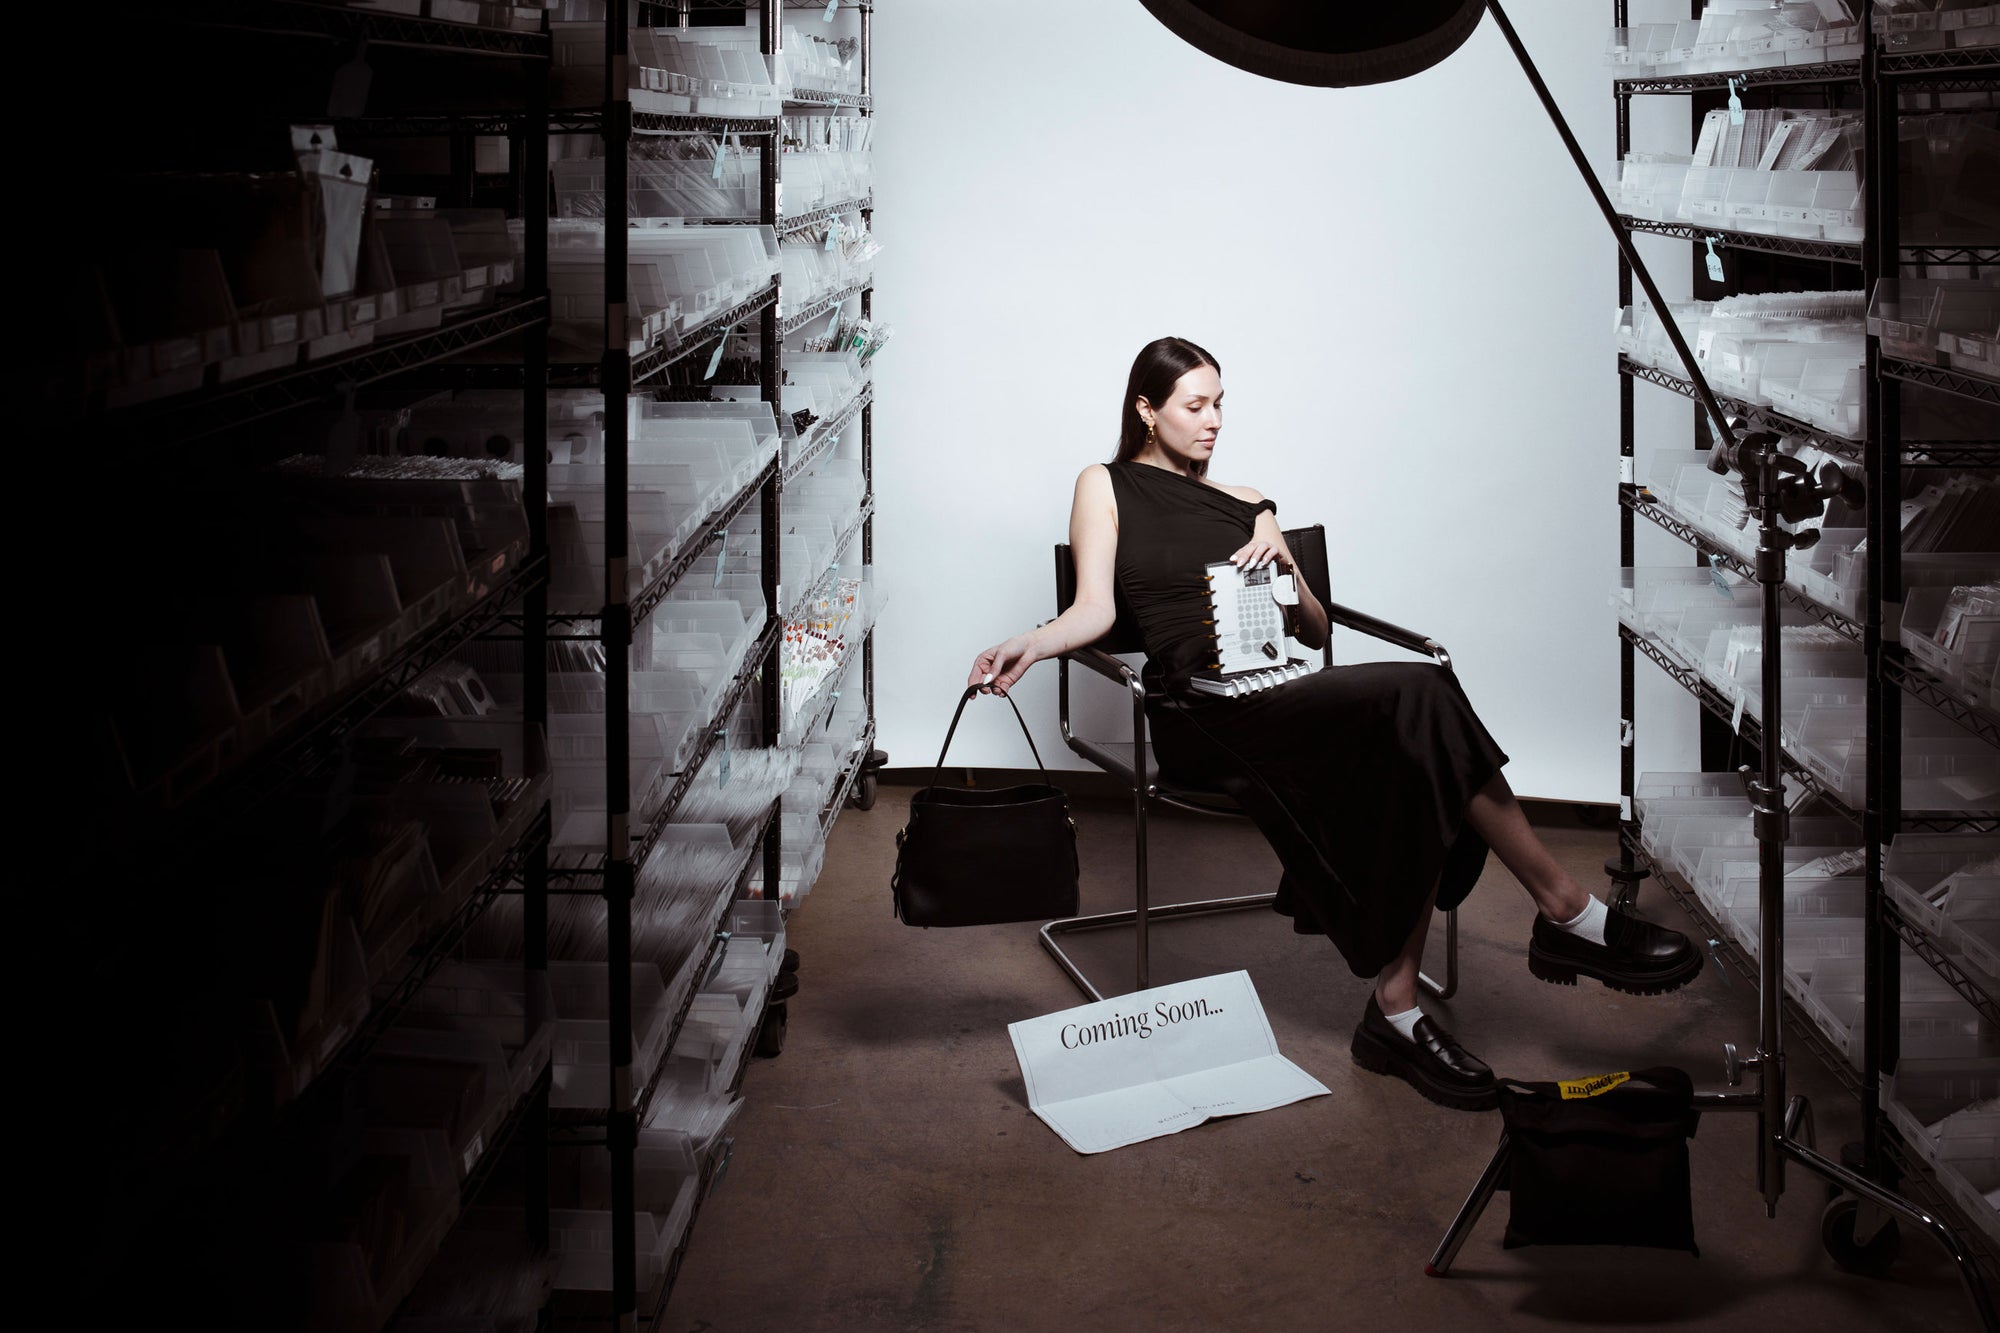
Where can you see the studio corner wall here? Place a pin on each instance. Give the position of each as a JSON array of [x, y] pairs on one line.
[[1409, 290]]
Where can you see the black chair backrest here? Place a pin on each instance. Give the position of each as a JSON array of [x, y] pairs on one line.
[[1308, 548]]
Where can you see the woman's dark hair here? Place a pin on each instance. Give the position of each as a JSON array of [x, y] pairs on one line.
[[1159, 364]]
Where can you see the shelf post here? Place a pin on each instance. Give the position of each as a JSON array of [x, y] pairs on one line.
[[771, 378], [622, 1128], [532, 153], [1882, 603], [1628, 744]]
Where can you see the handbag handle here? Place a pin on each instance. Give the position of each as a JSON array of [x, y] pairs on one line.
[[971, 690]]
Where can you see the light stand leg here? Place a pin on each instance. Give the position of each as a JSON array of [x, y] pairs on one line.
[[1468, 1212]]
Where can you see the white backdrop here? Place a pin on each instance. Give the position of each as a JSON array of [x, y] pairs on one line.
[[1407, 286]]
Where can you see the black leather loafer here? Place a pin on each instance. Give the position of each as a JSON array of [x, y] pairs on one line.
[[1637, 957], [1434, 1064]]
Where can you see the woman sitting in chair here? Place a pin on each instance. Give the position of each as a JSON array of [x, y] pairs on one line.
[[1376, 783]]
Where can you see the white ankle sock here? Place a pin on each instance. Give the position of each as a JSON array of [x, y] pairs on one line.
[[1406, 1022], [1589, 923]]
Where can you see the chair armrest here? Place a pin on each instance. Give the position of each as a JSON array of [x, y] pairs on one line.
[[1103, 663], [1376, 628]]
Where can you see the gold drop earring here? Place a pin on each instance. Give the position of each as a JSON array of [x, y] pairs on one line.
[[1149, 434]]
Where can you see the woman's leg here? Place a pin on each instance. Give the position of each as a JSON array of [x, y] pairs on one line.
[[1575, 935], [1393, 1038], [1497, 817], [1396, 984]]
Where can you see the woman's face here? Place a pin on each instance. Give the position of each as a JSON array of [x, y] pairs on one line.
[[1187, 422]]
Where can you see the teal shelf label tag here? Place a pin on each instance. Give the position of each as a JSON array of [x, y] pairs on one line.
[[1735, 102], [1715, 576], [721, 552], [721, 146], [832, 7], [716, 359], [1714, 261], [832, 232]]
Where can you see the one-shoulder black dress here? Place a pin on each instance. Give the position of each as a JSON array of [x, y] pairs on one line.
[[1359, 776]]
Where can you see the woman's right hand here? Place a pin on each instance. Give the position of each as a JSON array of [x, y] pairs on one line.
[[996, 669]]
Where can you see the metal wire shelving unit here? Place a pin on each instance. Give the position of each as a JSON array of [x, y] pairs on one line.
[[634, 826], [1877, 78], [278, 1127]]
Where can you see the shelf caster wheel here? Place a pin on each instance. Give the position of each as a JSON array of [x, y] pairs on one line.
[[1836, 1232], [864, 792], [771, 1034]]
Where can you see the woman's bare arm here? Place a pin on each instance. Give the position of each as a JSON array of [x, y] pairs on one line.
[[1093, 544]]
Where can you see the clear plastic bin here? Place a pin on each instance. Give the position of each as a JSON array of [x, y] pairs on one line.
[[1941, 882], [1828, 393], [1806, 898], [581, 1051], [1691, 838], [1960, 648], [1651, 600]]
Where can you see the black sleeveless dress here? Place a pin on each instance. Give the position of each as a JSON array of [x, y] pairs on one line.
[[1358, 775]]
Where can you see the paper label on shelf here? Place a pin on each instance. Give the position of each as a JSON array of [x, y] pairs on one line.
[[715, 359], [472, 1152], [722, 773], [721, 145], [1735, 102], [1627, 471], [832, 232], [721, 553], [1736, 717], [832, 6], [1714, 272], [1625, 809], [1833, 866]]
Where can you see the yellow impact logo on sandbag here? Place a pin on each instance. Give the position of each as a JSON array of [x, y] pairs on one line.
[[1573, 1088]]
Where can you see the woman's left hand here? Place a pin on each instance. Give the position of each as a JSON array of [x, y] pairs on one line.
[[1259, 552]]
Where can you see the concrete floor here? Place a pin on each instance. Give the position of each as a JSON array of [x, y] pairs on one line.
[[888, 1174]]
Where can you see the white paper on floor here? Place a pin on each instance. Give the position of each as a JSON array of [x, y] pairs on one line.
[[1155, 1062]]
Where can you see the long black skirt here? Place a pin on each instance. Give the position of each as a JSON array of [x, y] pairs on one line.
[[1359, 776]]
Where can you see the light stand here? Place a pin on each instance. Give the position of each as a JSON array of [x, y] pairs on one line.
[[1317, 45]]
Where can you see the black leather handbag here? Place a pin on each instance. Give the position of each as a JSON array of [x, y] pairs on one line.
[[977, 858], [1601, 1161]]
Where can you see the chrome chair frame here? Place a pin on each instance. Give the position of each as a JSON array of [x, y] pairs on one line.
[[1148, 784]]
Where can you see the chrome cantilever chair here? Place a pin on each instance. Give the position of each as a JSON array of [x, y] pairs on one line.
[[1133, 763]]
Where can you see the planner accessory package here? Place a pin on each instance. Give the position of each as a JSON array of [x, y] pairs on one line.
[[1249, 630]]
